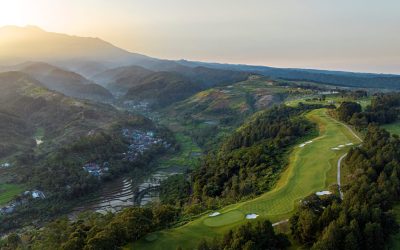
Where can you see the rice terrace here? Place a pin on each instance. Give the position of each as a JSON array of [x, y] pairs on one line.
[[312, 168]]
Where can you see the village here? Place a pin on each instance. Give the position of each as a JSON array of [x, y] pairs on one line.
[[139, 143]]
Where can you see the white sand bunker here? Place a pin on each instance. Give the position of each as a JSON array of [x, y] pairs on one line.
[[335, 148], [349, 144], [340, 146], [323, 193], [251, 216], [214, 214], [303, 144]]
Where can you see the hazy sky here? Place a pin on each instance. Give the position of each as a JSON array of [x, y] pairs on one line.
[[358, 35]]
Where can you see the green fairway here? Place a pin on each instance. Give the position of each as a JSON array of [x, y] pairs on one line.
[[310, 170], [8, 192], [225, 219], [393, 128]]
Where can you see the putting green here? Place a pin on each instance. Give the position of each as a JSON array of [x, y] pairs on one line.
[[312, 168], [224, 219]]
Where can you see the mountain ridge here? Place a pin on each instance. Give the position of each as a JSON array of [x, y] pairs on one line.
[[98, 55]]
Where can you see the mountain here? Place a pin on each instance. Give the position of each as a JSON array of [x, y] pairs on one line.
[[66, 82], [163, 88], [336, 78], [91, 56], [210, 77], [122, 78], [20, 44], [27, 107]]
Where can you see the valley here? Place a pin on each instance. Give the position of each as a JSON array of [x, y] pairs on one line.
[[101, 148]]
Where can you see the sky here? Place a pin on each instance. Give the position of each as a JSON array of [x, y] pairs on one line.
[[352, 35]]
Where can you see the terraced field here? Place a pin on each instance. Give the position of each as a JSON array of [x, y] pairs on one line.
[[8, 192], [312, 168]]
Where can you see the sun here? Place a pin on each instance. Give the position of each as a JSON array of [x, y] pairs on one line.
[[12, 13]]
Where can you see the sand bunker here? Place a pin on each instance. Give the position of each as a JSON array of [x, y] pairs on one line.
[[251, 216], [335, 148], [349, 144], [340, 146], [214, 214], [303, 144], [323, 193]]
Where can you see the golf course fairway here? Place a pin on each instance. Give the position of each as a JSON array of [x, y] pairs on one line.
[[312, 168]]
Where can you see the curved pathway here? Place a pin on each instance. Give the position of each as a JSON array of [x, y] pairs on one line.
[[342, 157], [338, 174]]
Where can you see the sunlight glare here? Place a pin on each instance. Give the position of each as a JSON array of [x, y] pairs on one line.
[[12, 13]]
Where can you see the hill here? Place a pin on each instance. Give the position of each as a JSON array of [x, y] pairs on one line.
[[15, 134], [163, 88], [122, 78], [30, 107], [211, 114], [63, 81]]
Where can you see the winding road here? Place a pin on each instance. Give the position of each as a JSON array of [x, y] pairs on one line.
[[342, 157], [338, 174]]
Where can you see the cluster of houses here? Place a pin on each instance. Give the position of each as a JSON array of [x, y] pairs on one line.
[[5, 165], [22, 199], [95, 169], [138, 106], [140, 142]]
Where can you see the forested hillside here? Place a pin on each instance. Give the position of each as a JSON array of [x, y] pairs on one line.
[[163, 88], [250, 161], [62, 118], [384, 109], [363, 220], [63, 81]]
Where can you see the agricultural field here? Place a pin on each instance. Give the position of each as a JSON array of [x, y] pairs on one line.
[[187, 157], [311, 169], [8, 192]]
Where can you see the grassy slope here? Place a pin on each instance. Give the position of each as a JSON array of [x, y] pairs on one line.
[[310, 170]]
